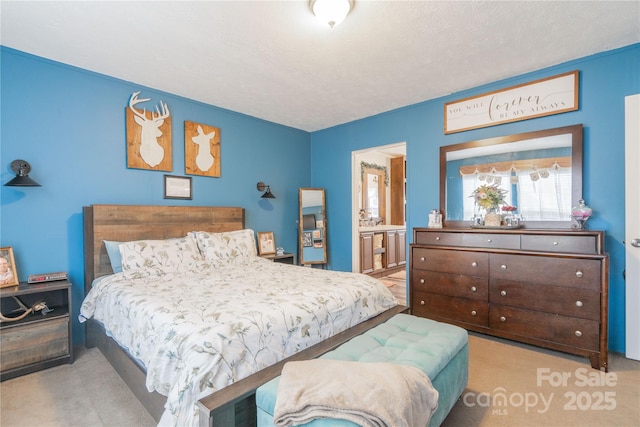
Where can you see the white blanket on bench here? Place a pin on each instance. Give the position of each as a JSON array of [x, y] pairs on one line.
[[368, 394]]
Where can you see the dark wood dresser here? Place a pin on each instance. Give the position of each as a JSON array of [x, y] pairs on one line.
[[542, 287]]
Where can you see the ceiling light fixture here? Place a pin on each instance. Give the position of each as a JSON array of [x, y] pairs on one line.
[[331, 12]]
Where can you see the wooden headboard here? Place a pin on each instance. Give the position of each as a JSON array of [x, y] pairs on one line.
[[124, 223]]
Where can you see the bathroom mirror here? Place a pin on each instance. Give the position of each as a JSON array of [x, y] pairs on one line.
[[540, 171], [312, 227], [373, 193]]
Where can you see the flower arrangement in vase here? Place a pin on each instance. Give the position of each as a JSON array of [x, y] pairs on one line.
[[489, 198]]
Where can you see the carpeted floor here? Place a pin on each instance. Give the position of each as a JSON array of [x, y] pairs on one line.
[[510, 384]]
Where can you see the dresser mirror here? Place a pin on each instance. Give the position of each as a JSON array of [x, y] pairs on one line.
[[312, 227], [540, 171]]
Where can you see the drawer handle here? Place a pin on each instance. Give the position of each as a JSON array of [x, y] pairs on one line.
[[503, 267], [421, 280], [474, 313], [555, 243], [489, 240], [438, 238], [579, 274], [579, 303], [503, 319], [474, 264], [422, 302], [503, 293], [474, 289], [578, 333], [422, 259]]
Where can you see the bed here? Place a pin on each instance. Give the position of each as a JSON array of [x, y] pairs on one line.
[[209, 379]]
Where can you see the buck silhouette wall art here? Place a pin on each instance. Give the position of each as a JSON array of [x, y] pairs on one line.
[[202, 149], [148, 135]]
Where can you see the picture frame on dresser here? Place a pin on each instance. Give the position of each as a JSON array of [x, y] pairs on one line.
[[8, 270]]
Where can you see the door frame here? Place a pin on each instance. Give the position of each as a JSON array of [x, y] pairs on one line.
[[355, 195], [632, 226]]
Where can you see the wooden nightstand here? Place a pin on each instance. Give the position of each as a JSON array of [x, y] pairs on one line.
[[38, 341], [286, 258]]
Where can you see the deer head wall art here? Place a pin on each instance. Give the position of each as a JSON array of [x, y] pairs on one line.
[[148, 136], [202, 149]]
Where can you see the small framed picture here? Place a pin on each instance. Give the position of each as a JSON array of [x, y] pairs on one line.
[[307, 241], [177, 187], [8, 272], [266, 243]]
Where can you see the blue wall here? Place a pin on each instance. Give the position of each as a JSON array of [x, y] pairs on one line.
[[69, 124], [605, 79]]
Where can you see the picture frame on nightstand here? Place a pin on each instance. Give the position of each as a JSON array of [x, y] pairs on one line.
[[8, 271], [266, 243]]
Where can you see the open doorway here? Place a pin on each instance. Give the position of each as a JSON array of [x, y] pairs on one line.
[[391, 208]]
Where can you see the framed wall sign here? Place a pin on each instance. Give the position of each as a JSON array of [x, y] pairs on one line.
[[148, 135], [177, 187], [544, 97], [202, 149]]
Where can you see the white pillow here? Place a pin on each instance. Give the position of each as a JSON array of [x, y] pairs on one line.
[[226, 247], [169, 255]]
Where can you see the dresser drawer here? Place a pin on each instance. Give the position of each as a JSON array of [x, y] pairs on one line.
[[34, 342], [493, 241], [550, 327], [570, 272], [455, 285], [446, 261], [550, 299], [437, 238], [436, 306], [569, 244]]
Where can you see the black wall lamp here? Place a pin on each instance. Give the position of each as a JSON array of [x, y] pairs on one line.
[[21, 168], [267, 195]]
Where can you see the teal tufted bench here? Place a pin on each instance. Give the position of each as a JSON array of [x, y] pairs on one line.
[[440, 350]]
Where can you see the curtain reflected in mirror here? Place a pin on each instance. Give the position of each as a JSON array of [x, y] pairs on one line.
[[312, 227]]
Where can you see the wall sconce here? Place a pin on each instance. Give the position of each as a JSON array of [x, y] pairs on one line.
[[331, 12], [21, 168], [267, 195]]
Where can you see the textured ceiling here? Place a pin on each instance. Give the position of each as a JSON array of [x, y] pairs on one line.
[[275, 61]]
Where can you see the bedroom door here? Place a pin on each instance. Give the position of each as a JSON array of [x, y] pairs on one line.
[[632, 225]]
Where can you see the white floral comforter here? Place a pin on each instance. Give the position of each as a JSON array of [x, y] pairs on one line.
[[200, 330]]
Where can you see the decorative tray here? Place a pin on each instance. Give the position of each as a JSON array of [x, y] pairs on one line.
[[502, 227]]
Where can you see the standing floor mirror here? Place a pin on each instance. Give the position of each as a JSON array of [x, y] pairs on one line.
[[312, 227]]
